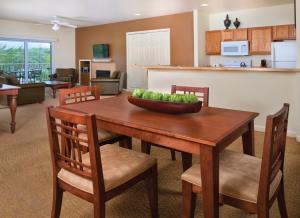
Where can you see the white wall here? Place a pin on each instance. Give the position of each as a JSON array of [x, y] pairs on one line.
[[203, 22], [267, 16], [275, 15], [63, 41]]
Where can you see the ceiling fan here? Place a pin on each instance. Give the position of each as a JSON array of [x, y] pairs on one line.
[[59, 21]]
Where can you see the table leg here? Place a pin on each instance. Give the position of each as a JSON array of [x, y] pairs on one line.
[[248, 140], [12, 103], [209, 159], [54, 92], [186, 160]]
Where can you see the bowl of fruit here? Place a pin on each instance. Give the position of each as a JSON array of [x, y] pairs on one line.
[[165, 103]]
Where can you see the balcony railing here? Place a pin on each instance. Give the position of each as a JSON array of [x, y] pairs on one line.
[[36, 71]]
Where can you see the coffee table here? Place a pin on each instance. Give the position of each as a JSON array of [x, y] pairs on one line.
[[12, 93], [54, 85]]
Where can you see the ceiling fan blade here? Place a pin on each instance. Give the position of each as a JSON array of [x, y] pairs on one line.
[[78, 19], [66, 24]]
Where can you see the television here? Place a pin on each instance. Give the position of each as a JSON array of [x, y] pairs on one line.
[[100, 51]]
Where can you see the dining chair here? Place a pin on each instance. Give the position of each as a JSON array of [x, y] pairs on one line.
[[90, 93], [203, 95], [247, 182], [98, 175]]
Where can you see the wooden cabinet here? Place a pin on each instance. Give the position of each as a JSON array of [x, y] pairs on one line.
[[292, 32], [213, 42], [234, 35], [283, 32], [260, 40], [85, 72], [240, 35], [227, 35]]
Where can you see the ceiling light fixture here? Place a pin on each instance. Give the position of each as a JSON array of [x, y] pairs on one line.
[[204, 5], [55, 27], [137, 14]]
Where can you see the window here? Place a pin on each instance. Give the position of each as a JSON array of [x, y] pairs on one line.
[[28, 60]]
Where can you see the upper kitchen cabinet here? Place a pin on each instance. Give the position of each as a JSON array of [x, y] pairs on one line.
[[213, 42], [292, 32], [235, 35], [240, 34], [284, 32], [227, 35], [260, 40]]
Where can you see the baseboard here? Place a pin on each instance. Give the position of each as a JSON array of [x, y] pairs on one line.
[[289, 133]]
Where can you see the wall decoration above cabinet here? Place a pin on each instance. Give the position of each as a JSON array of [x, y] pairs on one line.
[[236, 23], [227, 22]]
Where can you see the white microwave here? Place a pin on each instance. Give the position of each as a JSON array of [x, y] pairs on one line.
[[235, 48]]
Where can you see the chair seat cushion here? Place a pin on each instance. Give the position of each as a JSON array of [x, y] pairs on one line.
[[239, 176], [103, 135], [119, 166]]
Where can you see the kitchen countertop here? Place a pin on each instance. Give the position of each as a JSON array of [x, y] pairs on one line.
[[224, 69]]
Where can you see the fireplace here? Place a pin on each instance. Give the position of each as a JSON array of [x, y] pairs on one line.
[[102, 73]]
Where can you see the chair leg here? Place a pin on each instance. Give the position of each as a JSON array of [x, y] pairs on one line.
[[189, 200], [99, 209], [126, 143], [56, 201], [145, 147], [281, 201], [187, 160], [173, 155], [153, 191]]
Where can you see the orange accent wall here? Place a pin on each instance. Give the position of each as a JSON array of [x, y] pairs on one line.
[[182, 42]]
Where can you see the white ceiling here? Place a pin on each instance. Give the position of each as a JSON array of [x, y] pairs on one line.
[[94, 12]]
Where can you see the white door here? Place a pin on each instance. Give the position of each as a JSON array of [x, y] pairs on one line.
[[145, 48]]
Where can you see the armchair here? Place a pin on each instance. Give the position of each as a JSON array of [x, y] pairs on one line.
[[64, 75], [112, 85]]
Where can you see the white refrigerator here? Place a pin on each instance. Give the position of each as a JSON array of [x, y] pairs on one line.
[[284, 54]]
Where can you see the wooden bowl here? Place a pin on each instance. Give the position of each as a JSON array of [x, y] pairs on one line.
[[166, 107]]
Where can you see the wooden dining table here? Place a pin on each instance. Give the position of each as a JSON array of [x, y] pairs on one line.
[[205, 133], [11, 92]]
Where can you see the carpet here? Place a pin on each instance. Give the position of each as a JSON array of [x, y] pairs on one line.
[[26, 176]]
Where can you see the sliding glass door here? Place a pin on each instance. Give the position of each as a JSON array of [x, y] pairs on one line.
[[39, 61], [28, 60]]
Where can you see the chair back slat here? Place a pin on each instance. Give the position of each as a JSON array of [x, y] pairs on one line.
[[78, 94], [273, 151], [201, 92], [67, 151]]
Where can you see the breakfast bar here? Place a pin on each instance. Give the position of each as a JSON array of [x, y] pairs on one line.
[[250, 89]]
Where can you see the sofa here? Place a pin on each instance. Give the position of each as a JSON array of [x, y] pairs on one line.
[[64, 75], [28, 93], [111, 85]]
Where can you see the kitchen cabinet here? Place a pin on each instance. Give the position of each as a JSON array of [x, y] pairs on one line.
[[292, 32], [227, 35], [213, 42], [284, 32], [240, 34], [235, 35], [260, 40]]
